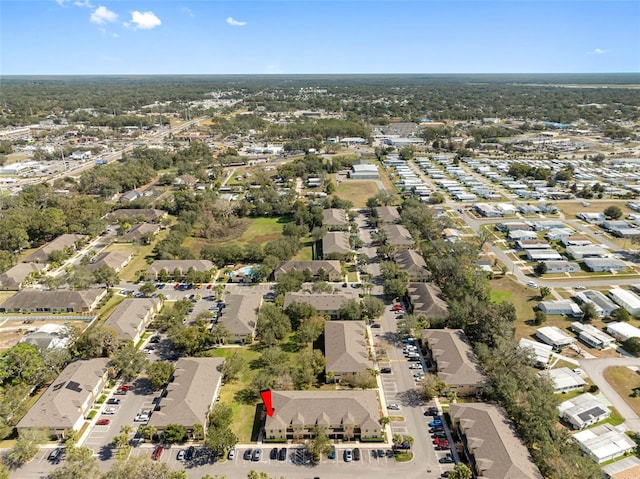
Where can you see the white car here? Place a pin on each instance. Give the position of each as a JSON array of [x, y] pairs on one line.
[[110, 410], [415, 366], [532, 284], [393, 406]]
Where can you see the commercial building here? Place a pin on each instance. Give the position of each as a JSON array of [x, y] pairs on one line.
[[491, 444], [454, 360], [68, 399], [364, 171], [554, 336], [583, 411], [345, 415], [345, 350]]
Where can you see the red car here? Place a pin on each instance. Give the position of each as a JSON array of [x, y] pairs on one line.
[[157, 452], [124, 387], [441, 442], [396, 307], [209, 286], [103, 422]]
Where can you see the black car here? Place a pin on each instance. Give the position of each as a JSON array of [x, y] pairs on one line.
[[356, 454], [436, 429], [282, 455], [446, 460], [273, 454], [154, 339], [385, 370], [113, 401], [190, 452], [247, 455], [55, 454]]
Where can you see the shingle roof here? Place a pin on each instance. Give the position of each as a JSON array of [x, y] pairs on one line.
[[398, 235], [324, 407], [388, 214], [498, 452], [182, 264], [13, 277], [241, 313], [110, 259], [426, 298], [60, 405], [345, 348], [190, 394], [322, 302], [58, 244], [457, 364], [329, 266], [334, 217], [55, 300], [412, 262], [147, 214], [129, 314], [136, 232], [335, 242]]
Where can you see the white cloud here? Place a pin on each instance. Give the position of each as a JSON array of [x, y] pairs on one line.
[[102, 15], [83, 3], [235, 23], [61, 2], [143, 20], [187, 11], [598, 51]]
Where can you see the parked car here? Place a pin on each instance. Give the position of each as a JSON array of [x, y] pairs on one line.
[[232, 454], [247, 455], [348, 455], [393, 406], [125, 387], [53, 455], [415, 366], [435, 422], [356, 454], [157, 452], [180, 455], [103, 422], [155, 339], [190, 453], [273, 455], [282, 455], [385, 370], [257, 453], [397, 307], [332, 454], [436, 429], [113, 401], [446, 460]]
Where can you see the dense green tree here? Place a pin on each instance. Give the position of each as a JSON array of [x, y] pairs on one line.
[[95, 342], [22, 364], [129, 361], [174, 433], [372, 307], [620, 314], [613, 212], [159, 373], [106, 276], [350, 310], [589, 312], [632, 345]]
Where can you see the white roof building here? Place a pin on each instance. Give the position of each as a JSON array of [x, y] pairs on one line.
[[540, 352], [605, 442], [628, 300], [622, 331], [561, 306], [583, 411], [603, 305], [564, 380], [554, 336], [591, 335]]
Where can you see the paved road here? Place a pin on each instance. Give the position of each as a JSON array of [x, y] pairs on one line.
[[594, 368]]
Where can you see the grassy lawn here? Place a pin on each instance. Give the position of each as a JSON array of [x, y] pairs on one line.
[[262, 230], [356, 191], [623, 380], [140, 257], [572, 208], [306, 250], [523, 298]]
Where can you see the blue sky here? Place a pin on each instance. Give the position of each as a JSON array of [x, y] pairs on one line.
[[315, 36]]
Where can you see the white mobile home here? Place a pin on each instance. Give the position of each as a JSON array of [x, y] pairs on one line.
[[554, 336], [628, 300]]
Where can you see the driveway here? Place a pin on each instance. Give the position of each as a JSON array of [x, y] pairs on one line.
[[594, 368]]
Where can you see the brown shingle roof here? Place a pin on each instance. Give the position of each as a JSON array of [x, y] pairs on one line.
[[31, 299], [412, 262], [240, 313], [322, 302], [129, 314], [426, 298], [335, 242], [388, 214], [13, 277], [345, 348], [110, 259], [398, 235], [58, 244], [334, 217], [331, 267]]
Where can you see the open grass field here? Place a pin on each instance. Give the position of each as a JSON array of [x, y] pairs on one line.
[[306, 250], [262, 230], [572, 208], [140, 261], [357, 191], [623, 380]]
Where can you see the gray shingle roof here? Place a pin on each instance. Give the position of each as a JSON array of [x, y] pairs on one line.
[[412, 262], [110, 259], [334, 217], [32, 299], [398, 235], [136, 232], [426, 298], [241, 313], [335, 242], [60, 405], [322, 302], [58, 244], [388, 214], [182, 264], [13, 277], [345, 348], [498, 452], [129, 314], [190, 394], [331, 267]]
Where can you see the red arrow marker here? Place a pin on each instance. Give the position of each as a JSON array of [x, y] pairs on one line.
[[265, 394]]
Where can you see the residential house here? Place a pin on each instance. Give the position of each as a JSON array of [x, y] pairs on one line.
[[626, 299], [622, 331], [426, 299], [540, 353], [240, 316], [532, 244], [132, 316], [562, 266], [65, 242], [129, 196], [589, 251], [576, 240], [451, 234], [411, 262], [555, 234], [517, 235], [591, 335], [182, 266], [564, 380], [335, 244], [488, 211], [187, 399], [68, 399], [398, 236], [345, 350], [583, 411], [605, 442], [326, 304], [345, 415], [388, 214], [605, 264], [61, 301], [594, 218], [564, 307], [554, 336], [136, 215], [627, 468], [115, 260], [603, 305], [335, 219], [454, 360], [491, 444], [327, 270], [15, 277], [543, 255], [138, 232]]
